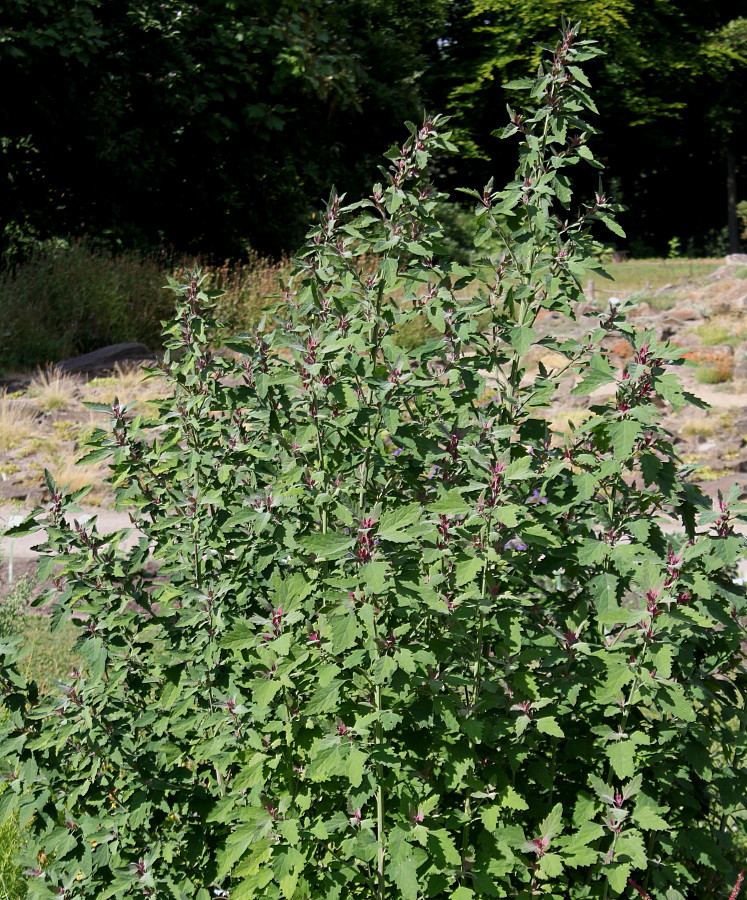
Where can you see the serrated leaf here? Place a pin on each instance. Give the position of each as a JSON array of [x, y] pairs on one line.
[[549, 725], [356, 766], [328, 759], [552, 865], [597, 375], [512, 799], [343, 631], [551, 824], [621, 755], [392, 522], [467, 569], [618, 875], [327, 546], [647, 818], [402, 868], [446, 846], [373, 575], [521, 337], [507, 514], [463, 893], [603, 590], [623, 436], [520, 468], [450, 503]]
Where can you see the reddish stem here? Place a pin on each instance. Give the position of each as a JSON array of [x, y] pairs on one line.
[[640, 890]]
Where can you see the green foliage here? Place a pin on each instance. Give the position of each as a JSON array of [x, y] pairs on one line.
[[11, 881], [742, 215], [401, 643], [202, 125], [675, 248], [62, 301], [67, 299], [656, 301], [669, 89]]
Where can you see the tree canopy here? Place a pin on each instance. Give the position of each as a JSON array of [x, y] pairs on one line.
[[215, 125]]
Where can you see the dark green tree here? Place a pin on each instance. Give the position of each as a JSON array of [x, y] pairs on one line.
[[669, 92], [207, 125]]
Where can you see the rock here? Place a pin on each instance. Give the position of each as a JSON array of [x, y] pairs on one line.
[[740, 362], [688, 341], [640, 309], [736, 259], [681, 316], [20, 492], [106, 358], [723, 484]]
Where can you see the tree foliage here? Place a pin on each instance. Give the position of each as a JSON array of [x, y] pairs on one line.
[[669, 89], [212, 125]]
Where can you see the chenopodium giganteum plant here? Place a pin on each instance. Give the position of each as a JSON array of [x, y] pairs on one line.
[[402, 642]]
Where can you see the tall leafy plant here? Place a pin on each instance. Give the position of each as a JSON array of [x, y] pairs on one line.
[[400, 642]]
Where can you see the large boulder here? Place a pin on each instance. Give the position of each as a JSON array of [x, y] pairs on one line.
[[736, 259], [106, 358]]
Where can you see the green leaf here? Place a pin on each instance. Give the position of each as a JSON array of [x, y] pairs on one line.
[[467, 569], [603, 590], [549, 725], [446, 846], [328, 759], [463, 893], [507, 514], [623, 435], [356, 766], [551, 824], [373, 575], [402, 868], [512, 799], [450, 503], [648, 818], [392, 522], [552, 865], [343, 631], [621, 755], [327, 546], [521, 338], [519, 469], [618, 875], [598, 374]]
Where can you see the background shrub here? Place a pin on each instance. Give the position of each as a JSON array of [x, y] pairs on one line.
[[66, 300]]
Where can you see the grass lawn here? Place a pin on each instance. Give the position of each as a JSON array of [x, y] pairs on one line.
[[640, 276], [51, 659]]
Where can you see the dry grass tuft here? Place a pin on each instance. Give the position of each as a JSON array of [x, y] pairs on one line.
[[72, 477], [722, 330], [16, 421], [697, 427], [52, 389], [248, 287]]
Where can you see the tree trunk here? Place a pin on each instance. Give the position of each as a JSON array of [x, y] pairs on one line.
[[731, 198]]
